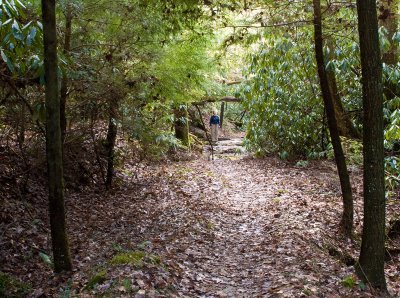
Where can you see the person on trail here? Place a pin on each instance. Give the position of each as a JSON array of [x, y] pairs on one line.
[[214, 123]]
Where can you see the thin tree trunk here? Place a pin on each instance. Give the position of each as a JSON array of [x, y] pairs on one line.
[[96, 151], [223, 104], [347, 216], [21, 128], [61, 254], [182, 124], [205, 131], [345, 126], [64, 80], [371, 263], [111, 139]]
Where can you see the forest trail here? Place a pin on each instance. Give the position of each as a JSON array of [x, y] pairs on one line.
[[226, 148], [232, 227], [251, 228]]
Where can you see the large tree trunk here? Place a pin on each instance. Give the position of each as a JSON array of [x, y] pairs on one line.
[[371, 263], [64, 80], [347, 216], [62, 260], [111, 139], [182, 124]]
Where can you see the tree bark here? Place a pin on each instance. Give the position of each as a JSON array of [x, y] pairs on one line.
[[182, 125], [345, 126], [347, 215], [223, 104], [111, 139], [215, 99], [64, 80], [371, 262], [21, 128], [61, 254]]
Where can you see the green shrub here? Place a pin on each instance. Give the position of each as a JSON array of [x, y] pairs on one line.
[[353, 150], [392, 174]]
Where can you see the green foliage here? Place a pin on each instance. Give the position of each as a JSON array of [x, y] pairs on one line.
[[97, 278], [306, 291], [302, 163], [66, 291], [127, 285], [353, 151], [283, 155], [133, 258], [392, 174], [392, 145], [285, 115], [392, 130], [183, 69], [136, 258], [11, 287], [151, 125], [46, 259], [20, 38], [349, 281], [283, 93]]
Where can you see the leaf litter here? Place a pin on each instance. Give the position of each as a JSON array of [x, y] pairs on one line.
[[233, 227]]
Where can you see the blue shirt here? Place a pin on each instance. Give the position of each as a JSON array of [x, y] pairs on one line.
[[214, 119]]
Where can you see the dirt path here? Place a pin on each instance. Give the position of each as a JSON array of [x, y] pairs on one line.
[[232, 227], [254, 229]]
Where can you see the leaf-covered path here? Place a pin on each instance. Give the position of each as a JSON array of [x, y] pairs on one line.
[[232, 227], [241, 227], [256, 229]]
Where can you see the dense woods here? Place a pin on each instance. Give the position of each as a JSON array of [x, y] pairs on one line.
[[111, 186]]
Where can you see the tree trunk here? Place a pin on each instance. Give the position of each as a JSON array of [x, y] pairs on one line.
[[345, 126], [182, 124], [111, 139], [21, 128], [64, 80], [62, 259], [371, 263], [347, 216], [223, 104]]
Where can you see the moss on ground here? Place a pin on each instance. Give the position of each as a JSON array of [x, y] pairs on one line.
[[136, 258], [11, 287], [98, 278], [132, 257]]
